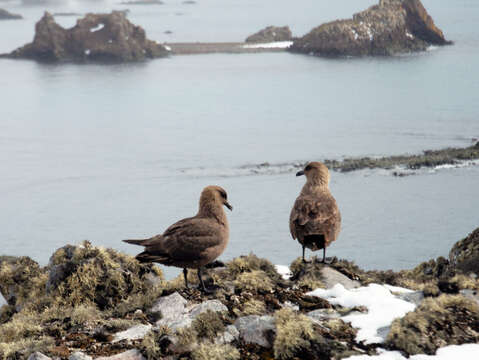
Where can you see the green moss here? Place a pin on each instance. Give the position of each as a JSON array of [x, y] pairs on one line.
[[208, 351], [251, 307], [307, 275], [294, 333], [151, 345], [23, 348], [251, 263], [256, 280], [437, 322], [208, 325]]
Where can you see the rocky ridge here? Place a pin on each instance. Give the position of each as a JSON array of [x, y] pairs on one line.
[[271, 34], [5, 15], [90, 302], [391, 27], [95, 37]]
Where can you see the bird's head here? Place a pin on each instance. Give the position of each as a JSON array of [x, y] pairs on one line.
[[214, 195], [316, 173]]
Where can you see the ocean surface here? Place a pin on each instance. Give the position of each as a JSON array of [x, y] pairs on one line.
[[108, 152]]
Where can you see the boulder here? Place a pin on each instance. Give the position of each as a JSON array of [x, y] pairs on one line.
[[176, 314], [134, 333], [255, 329], [271, 34], [464, 255], [96, 37], [38, 356], [5, 15], [391, 27], [127, 355], [78, 355]]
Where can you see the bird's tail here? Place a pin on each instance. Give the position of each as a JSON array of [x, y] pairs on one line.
[[136, 241]]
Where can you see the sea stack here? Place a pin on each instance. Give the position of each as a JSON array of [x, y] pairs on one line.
[[388, 28], [94, 38]]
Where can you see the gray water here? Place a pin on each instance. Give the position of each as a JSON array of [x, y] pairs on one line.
[[104, 152]]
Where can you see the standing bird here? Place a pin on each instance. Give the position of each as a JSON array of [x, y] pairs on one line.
[[315, 220], [192, 242]]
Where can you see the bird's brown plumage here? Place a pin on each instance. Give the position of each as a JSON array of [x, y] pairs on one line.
[[315, 220], [192, 242]]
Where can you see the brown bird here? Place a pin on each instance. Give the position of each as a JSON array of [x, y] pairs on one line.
[[315, 220], [192, 242]]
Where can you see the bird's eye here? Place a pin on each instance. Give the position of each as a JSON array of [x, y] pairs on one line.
[[223, 194], [307, 168]]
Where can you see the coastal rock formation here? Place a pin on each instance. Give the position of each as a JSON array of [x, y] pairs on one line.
[[96, 303], [464, 255], [271, 34], [5, 15], [391, 27], [96, 37]]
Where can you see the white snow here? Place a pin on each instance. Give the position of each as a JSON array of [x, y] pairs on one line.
[[284, 271], [451, 352], [87, 52], [383, 307], [356, 35], [167, 47], [409, 35], [2, 300], [275, 44], [110, 41], [97, 28]]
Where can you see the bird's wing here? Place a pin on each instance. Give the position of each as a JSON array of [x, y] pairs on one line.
[[312, 211], [189, 238]]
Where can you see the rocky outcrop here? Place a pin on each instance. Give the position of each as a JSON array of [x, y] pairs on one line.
[[271, 34], [96, 37], [464, 255], [5, 15], [391, 27], [95, 303]]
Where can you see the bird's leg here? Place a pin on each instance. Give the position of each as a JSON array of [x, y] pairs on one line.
[[185, 274], [324, 254], [203, 288]]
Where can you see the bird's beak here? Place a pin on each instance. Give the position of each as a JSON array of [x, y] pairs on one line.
[[299, 173], [227, 204]]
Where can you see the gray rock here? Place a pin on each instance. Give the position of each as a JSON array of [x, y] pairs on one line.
[[38, 356], [212, 305], [255, 329], [231, 334], [5, 15], [176, 315], [331, 277], [127, 355], [78, 355], [134, 333], [271, 34], [388, 28], [170, 306], [415, 297], [95, 37], [320, 315], [383, 332], [464, 255], [470, 294]]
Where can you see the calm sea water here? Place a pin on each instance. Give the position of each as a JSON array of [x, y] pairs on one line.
[[111, 152]]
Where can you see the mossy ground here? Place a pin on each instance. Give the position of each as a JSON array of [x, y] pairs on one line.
[[86, 294]]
